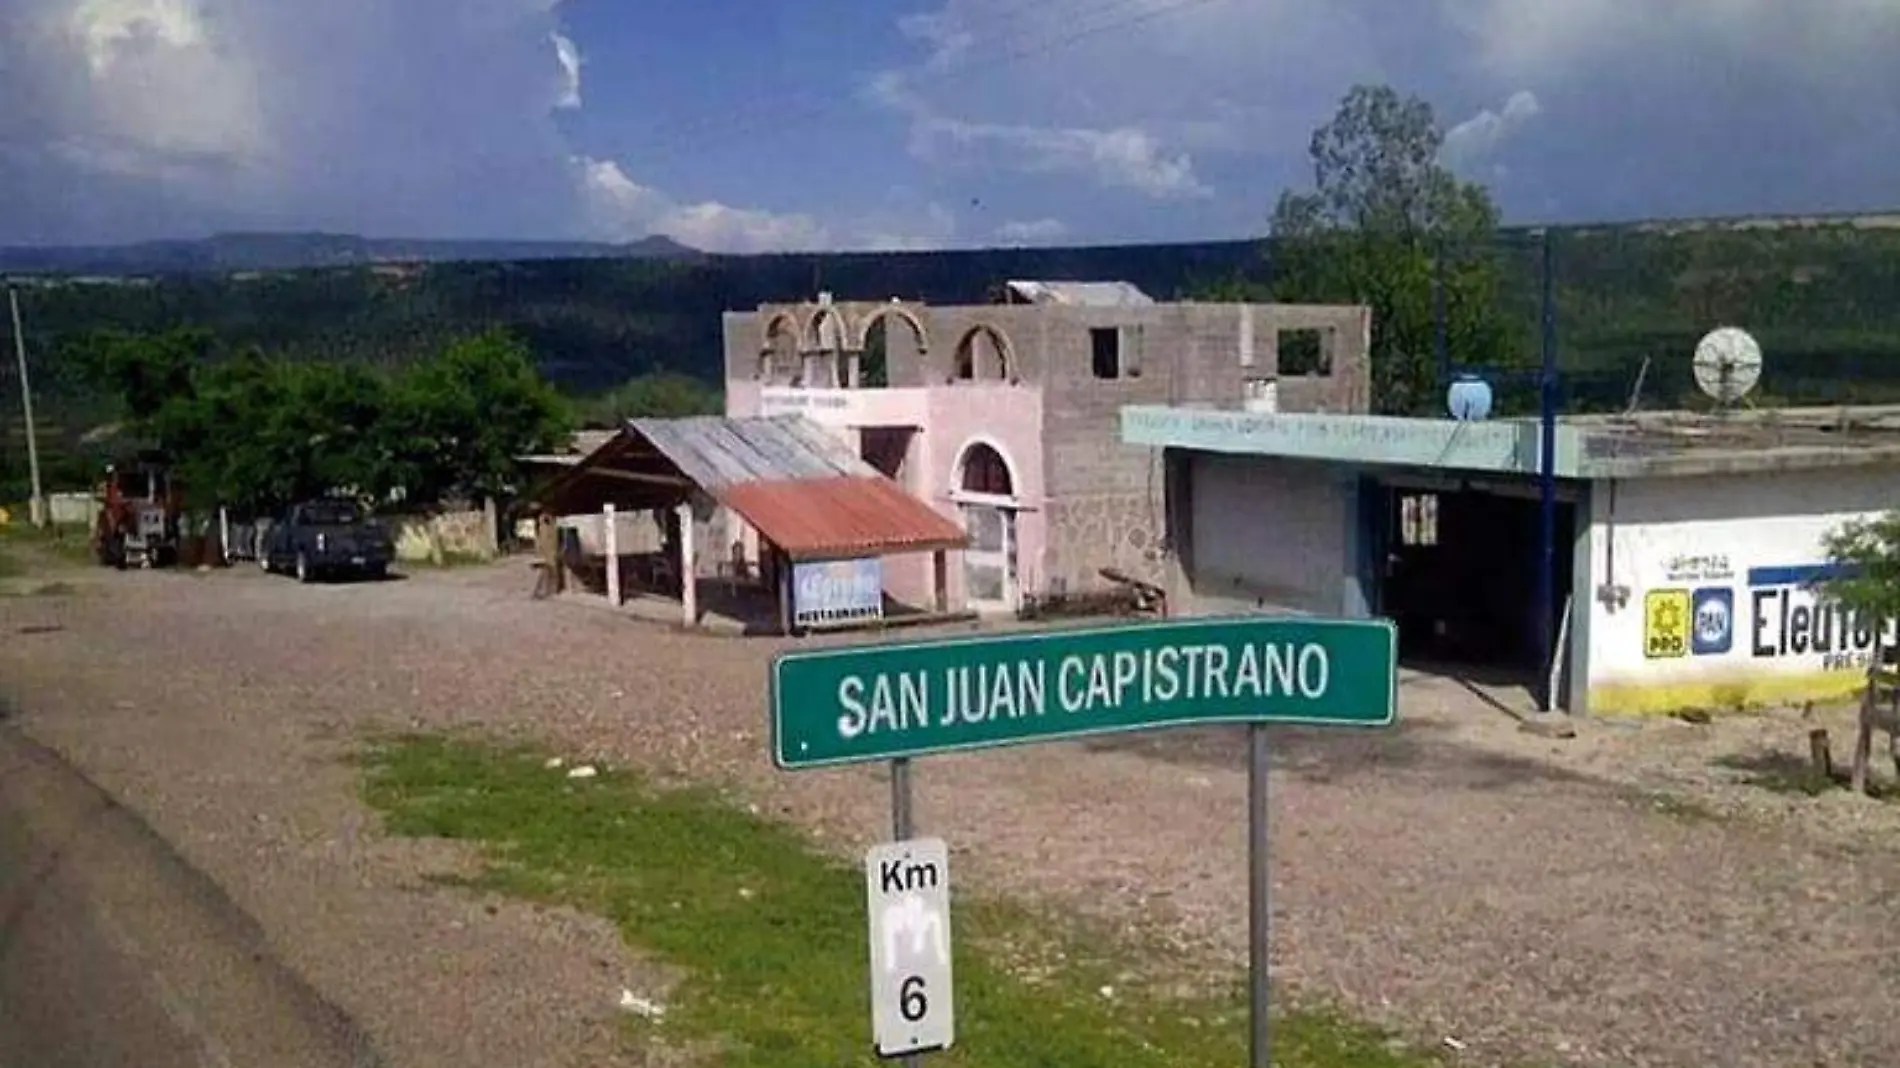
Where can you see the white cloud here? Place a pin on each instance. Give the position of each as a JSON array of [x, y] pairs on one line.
[[163, 86], [569, 58], [1032, 232], [1472, 141], [1123, 157], [621, 209]]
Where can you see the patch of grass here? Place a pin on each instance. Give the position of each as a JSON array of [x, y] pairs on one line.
[[450, 559], [769, 935], [1674, 806], [1786, 773], [57, 544]]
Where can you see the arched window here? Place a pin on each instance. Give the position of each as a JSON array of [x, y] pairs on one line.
[[985, 472], [982, 354]]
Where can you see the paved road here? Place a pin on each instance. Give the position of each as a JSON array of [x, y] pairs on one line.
[[114, 951]]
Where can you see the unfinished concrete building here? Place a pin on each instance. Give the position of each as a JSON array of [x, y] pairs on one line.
[[1007, 415]]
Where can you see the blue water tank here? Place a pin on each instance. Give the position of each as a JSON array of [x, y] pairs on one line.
[[1469, 398]]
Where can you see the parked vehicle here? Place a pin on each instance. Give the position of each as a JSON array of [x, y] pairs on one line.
[[331, 536], [137, 522]]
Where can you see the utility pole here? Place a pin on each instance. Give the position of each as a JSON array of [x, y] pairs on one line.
[[36, 506]]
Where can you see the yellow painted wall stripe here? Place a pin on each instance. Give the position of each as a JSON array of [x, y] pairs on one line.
[[1723, 693]]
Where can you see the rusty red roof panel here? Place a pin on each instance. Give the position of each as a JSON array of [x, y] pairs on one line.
[[834, 518]]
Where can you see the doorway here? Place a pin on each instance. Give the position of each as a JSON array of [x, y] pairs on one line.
[[986, 494], [1460, 575]]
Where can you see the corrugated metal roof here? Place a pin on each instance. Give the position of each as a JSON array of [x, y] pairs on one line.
[[834, 518], [799, 486], [716, 452], [582, 444], [586, 441], [1091, 294]]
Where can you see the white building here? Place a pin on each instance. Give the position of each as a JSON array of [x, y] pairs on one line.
[[1688, 544]]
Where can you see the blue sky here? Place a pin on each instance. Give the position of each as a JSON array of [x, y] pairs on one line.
[[744, 125]]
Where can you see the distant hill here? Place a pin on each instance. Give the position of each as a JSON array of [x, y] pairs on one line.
[[233, 252], [238, 252]]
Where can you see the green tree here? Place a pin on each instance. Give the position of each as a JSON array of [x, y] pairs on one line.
[[143, 372], [659, 394], [1382, 212], [1865, 554], [874, 370], [468, 412]]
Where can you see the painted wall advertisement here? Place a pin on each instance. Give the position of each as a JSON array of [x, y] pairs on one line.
[[837, 591], [1771, 613], [830, 407]]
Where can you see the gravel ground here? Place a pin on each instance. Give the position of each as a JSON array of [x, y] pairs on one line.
[[1454, 878]]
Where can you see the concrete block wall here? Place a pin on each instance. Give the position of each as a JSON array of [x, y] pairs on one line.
[[467, 535]]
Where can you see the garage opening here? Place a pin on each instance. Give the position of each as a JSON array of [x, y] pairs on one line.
[[1460, 576]]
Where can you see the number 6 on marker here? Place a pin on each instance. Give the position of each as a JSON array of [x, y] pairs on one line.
[[911, 1003]]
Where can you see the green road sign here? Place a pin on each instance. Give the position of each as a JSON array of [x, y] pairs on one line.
[[877, 702]]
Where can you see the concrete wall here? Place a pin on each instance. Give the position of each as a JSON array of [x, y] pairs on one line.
[[1102, 500], [634, 532], [1714, 568], [71, 509], [466, 535]]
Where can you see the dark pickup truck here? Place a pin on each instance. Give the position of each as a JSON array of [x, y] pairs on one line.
[[321, 538]]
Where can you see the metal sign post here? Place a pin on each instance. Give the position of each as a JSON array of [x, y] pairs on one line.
[[896, 701], [1259, 948]]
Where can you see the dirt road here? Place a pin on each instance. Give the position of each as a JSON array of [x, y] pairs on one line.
[[1437, 878]]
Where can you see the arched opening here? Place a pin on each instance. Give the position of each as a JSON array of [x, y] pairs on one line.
[[986, 472], [827, 331], [987, 499], [778, 357], [884, 348], [982, 354], [874, 360], [824, 350]]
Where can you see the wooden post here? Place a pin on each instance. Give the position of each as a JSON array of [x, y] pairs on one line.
[[689, 566], [940, 579], [224, 535], [547, 542], [1864, 735], [782, 580], [610, 548], [1819, 756]]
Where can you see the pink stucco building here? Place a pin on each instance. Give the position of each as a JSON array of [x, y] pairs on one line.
[[1006, 416]]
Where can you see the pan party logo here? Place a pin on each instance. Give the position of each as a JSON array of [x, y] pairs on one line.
[[1712, 621]]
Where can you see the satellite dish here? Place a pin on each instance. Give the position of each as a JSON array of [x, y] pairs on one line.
[[1469, 399], [1727, 364]]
